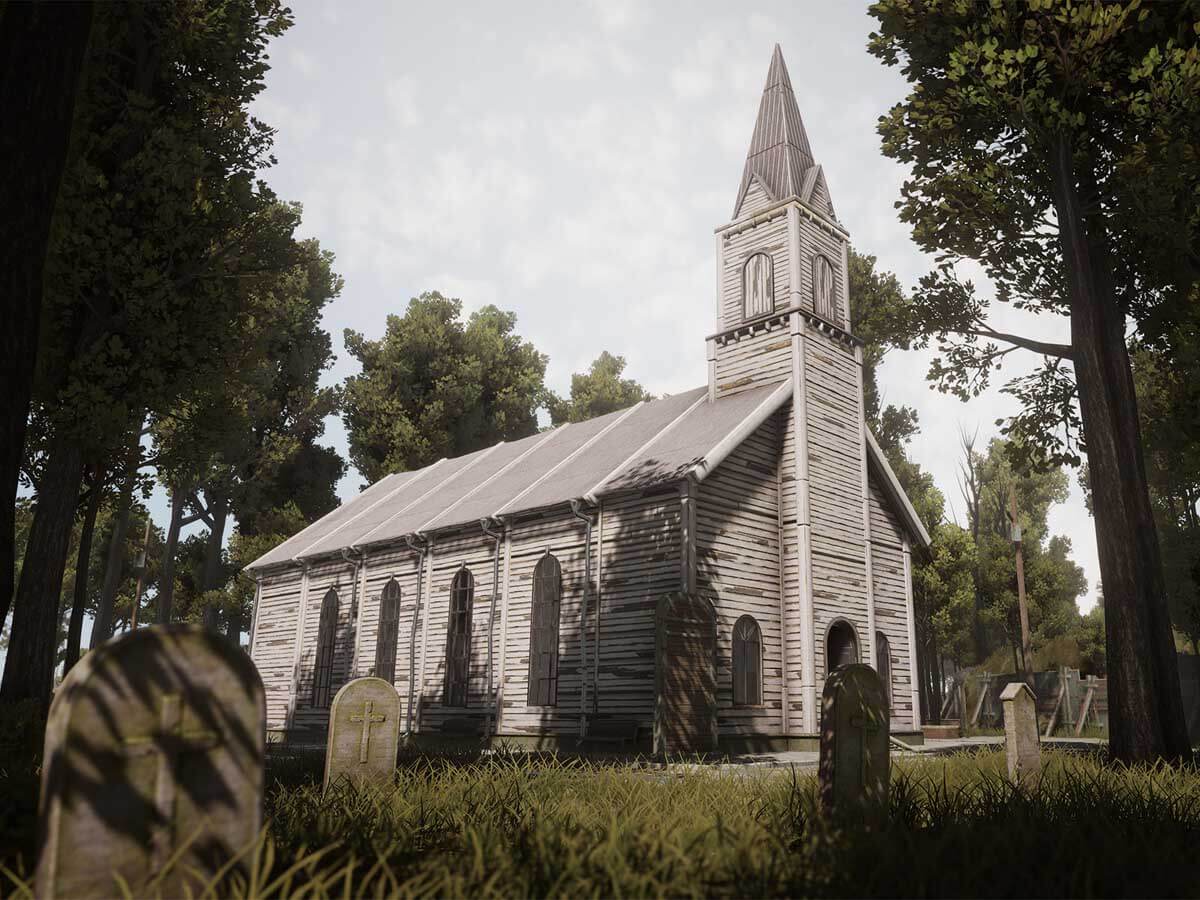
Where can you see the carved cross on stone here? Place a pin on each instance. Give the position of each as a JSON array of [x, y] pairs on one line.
[[364, 732], [170, 741], [367, 720], [153, 767]]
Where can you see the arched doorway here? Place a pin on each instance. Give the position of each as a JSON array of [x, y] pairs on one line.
[[841, 646]]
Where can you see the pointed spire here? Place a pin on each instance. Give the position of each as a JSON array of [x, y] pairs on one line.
[[779, 156]]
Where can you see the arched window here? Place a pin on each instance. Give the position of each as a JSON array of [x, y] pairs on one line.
[[326, 633], [543, 632], [883, 664], [747, 662], [824, 301], [458, 638], [758, 286], [841, 646], [389, 632]]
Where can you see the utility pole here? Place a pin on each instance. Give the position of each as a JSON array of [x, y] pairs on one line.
[[141, 565], [1026, 643]]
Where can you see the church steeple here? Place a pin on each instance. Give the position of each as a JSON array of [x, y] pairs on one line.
[[780, 159]]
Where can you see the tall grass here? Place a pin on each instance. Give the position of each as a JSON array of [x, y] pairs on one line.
[[516, 826]]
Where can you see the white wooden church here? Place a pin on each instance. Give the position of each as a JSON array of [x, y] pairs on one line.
[[687, 570]]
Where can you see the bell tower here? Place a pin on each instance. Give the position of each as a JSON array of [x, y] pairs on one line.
[[782, 314]]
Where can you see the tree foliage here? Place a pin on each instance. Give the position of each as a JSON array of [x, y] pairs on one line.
[[435, 386], [599, 390]]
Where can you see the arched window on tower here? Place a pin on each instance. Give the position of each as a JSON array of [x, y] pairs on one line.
[[824, 298], [322, 692], [458, 638], [883, 664], [389, 632], [543, 632], [747, 662], [758, 286]]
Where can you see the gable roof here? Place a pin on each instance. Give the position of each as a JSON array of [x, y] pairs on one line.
[[895, 492], [659, 442]]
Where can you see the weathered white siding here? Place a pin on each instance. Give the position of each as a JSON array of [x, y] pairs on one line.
[[753, 360], [770, 237], [275, 641], [321, 577], [891, 613], [756, 199], [835, 470], [738, 559]]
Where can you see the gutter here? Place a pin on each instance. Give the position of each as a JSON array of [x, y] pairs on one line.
[[588, 520], [498, 537], [412, 640]]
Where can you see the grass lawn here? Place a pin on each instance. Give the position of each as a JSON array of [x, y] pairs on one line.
[[513, 826]]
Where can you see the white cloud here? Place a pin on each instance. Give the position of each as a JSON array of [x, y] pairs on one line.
[[401, 97]]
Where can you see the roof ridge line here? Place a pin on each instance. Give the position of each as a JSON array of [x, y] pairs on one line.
[[546, 438], [484, 455], [591, 495], [421, 473], [570, 456]]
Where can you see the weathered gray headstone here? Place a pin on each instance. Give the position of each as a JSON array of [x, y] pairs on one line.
[[855, 761], [153, 754], [1021, 733], [364, 732]]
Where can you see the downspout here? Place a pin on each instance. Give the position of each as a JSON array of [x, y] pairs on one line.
[[576, 507], [258, 586], [412, 640], [497, 537], [356, 604]]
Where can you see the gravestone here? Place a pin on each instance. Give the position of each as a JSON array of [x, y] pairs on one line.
[[364, 732], [154, 753], [1021, 733], [855, 758]]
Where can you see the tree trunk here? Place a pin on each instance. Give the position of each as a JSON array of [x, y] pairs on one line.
[[102, 628], [210, 579], [33, 643], [42, 49], [1145, 703], [166, 572], [82, 565]]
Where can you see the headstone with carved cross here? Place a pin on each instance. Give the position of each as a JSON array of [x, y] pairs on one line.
[[364, 732], [153, 755], [1021, 742], [855, 761]]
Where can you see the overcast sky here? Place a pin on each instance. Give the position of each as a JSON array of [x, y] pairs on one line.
[[570, 162]]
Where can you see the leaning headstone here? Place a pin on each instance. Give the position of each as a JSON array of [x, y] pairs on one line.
[[364, 732], [855, 760], [1021, 733], [153, 766]]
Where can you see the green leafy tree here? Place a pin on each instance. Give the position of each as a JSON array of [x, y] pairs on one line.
[[598, 391], [158, 212], [42, 51], [1053, 142], [434, 386]]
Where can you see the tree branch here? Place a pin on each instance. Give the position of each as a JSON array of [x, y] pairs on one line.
[[1060, 351]]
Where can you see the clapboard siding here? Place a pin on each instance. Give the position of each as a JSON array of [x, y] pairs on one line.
[[737, 551], [640, 561], [754, 360], [756, 200], [275, 641], [769, 237], [834, 419], [891, 603], [451, 552], [338, 575], [382, 565], [562, 534], [815, 239]]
